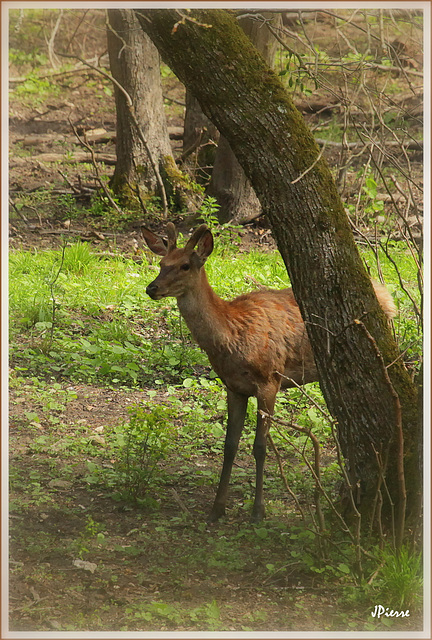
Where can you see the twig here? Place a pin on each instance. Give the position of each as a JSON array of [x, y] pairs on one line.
[[185, 18], [317, 159], [96, 168], [401, 281], [306, 395], [316, 477], [350, 488], [53, 300], [378, 500], [181, 103], [83, 17], [179, 501], [18, 212], [382, 465], [136, 190], [381, 148], [283, 476], [400, 525], [194, 146], [69, 183], [50, 42]]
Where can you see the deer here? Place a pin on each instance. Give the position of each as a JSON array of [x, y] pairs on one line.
[[256, 343]]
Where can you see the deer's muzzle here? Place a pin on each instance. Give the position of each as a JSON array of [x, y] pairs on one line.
[[152, 290]]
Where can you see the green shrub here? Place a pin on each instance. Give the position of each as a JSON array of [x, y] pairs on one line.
[[137, 447]]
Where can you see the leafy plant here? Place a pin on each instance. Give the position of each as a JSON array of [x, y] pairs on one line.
[[208, 211], [399, 582], [91, 536], [137, 448], [207, 616], [35, 90], [296, 73]]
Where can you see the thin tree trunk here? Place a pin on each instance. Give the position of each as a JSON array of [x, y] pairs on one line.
[[134, 62], [345, 324]]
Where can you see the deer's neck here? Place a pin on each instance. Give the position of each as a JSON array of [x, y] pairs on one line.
[[205, 314]]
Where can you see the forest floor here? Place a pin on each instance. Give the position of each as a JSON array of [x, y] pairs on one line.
[[79, 559]]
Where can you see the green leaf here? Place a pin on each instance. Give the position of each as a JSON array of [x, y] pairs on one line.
[[344, 568], [116, 348]]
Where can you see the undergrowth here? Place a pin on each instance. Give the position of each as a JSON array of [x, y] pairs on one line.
[[76, 317]]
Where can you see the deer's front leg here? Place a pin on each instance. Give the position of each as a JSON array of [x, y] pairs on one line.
[[237, 406]]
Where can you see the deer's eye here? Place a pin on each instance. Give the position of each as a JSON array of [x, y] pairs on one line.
[[185, 267]]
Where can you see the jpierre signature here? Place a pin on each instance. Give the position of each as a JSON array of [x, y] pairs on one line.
[[386, 612]]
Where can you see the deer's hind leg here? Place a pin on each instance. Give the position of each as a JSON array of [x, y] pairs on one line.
[[266, 401]]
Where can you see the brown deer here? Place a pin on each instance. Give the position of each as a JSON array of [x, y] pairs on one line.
[[256, 343]]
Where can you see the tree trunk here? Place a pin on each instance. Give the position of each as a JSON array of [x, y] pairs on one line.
[[353, 346], [199, 135], [231, 188], [134, 62], [229, 184]]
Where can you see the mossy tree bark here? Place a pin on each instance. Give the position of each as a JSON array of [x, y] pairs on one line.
[[353, 346], [229, 184], [134, 62]]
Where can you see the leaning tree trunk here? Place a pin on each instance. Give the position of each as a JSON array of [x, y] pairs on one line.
[[229, 184], [362, 376], [134, 62]]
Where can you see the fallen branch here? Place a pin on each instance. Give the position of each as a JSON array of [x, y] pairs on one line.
[[410, 144], [57, 75], [79, 156]]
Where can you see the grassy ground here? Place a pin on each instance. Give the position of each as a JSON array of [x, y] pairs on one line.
[[117, 427]]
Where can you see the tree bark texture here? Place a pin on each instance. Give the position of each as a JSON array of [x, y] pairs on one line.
[[199, 133], [134, 62], [229, 184], [231, 187], [347, 329]]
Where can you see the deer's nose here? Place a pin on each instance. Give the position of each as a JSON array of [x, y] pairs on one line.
[[152, 290]]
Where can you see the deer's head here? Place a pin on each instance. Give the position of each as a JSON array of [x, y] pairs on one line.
[[179, 267]]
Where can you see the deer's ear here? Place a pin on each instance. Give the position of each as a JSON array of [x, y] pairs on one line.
[[155, 243], [205, 245]]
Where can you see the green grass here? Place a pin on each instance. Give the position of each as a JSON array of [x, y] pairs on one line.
[[106, 328], [107, 332]]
